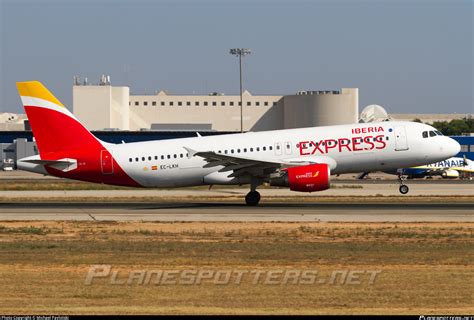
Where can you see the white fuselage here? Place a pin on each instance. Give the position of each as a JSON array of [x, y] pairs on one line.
[[347, 148]]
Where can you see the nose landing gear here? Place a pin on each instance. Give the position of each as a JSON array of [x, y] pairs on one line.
[[403, 187]]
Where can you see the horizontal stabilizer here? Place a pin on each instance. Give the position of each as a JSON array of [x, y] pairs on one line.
[[47, 162], [65, 164]]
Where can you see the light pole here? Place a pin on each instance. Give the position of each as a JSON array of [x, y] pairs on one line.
[[240, 52]]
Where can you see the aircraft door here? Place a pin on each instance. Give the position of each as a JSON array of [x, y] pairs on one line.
[[106, 162], [401, 141]]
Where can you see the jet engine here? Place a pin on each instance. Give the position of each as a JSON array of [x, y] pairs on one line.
[[309, 178], [450, 174]]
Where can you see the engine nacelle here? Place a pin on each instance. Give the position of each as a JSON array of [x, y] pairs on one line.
[[310, 178], [450, 174]]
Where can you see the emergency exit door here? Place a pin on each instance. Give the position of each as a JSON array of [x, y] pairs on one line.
[[106, 162]]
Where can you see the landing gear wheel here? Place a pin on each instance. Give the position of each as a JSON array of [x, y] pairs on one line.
[[403, 189], [252, 198]]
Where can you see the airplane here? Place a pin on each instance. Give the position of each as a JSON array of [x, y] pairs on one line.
[[300, 159], [454, 167]]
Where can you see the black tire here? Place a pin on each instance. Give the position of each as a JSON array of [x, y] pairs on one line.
[[252, 198], [403, 189]]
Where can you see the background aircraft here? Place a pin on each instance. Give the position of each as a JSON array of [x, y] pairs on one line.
[[454, 167]]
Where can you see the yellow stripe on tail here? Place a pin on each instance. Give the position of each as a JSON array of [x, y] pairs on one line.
[[36, 89]]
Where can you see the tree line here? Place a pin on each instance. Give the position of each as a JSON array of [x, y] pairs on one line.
[[454, 127]]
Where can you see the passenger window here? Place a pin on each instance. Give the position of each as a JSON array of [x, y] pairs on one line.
[[245, 149], [264, 148], [425, 134], [232, 151], [156, 157], [180, 155], [168, 156], [162, 157], [136, 159], [149, 158], [238, 150], [175, 156], [270, 148], [251, 149], [130, 160], [225, 151], [143, 158], [258, 149]]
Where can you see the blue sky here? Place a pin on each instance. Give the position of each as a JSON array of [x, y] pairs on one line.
[[409, 56]]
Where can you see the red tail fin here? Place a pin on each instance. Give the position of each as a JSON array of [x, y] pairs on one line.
[[54, 127], [67, 149]]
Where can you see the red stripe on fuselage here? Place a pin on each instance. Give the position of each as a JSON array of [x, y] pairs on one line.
[[59, 136]]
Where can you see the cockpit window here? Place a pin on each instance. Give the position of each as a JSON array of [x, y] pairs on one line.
[[432, 134], [425, 134], [439, 133]]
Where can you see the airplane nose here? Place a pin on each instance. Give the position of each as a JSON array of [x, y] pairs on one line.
[[453, 147]]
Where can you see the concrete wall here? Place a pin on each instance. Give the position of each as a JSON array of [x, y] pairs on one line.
[[321, 109], [24, 148], [7, 151], [20, 148], [222, 112], [12, 121], [120, 109], [12, 126], [100, 107]]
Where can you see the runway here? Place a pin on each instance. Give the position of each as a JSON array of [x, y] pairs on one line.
[[179, 211]]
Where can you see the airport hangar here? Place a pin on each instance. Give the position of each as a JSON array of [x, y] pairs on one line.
[[114, 115]]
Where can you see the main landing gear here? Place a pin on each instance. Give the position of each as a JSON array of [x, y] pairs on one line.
[[403, 187], [253, 197]]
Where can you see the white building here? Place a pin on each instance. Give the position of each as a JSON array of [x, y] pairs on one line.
[[12, 121], [106, 107]]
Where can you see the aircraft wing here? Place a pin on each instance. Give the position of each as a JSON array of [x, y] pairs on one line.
[[252, 166]]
